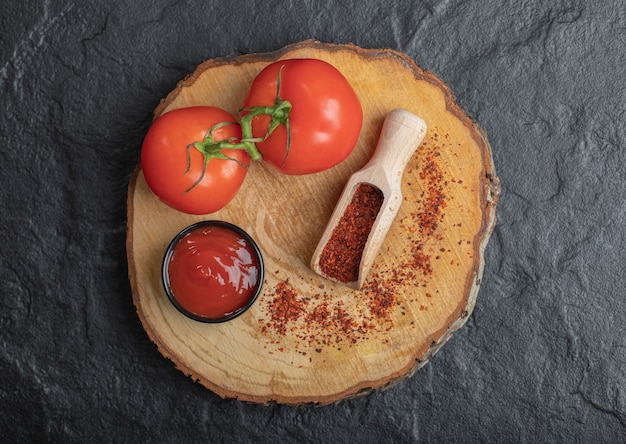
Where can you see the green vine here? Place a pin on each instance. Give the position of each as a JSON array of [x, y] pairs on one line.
[[211, 149]]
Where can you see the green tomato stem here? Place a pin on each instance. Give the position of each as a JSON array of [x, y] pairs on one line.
[[279, 115], [210, 149]]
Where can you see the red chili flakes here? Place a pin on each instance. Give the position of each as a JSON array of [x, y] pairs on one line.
[[345, 322], [316, 321], [285, 307], [320, 315], [435, 197], [381, 298], [341, 257], [321, 320], [421, 261]]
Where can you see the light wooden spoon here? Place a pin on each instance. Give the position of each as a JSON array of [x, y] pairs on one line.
[[401, 134]]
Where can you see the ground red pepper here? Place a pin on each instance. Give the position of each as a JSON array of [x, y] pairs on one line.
[[435, 198], [421, 260], [321, 320], [285, 307], [341, 257], [317, 322]]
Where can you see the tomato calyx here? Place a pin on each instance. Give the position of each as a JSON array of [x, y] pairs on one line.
[[212, 149], [278, 113]]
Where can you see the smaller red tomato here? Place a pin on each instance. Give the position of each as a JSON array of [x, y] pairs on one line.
[[185, 165]]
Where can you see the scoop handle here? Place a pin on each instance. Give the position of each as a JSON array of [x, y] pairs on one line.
[[401, 134]]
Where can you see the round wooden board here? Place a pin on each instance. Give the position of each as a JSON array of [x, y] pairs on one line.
[[339, 342]]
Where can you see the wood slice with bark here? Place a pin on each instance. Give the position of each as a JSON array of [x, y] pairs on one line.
[[306, 339]]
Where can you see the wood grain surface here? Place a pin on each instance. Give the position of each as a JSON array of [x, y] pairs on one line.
[[332, 342]]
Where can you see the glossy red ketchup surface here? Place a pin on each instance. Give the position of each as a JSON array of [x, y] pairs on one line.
[[213, 271]]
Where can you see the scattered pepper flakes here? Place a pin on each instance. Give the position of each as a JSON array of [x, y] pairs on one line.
[[321, 321], [435, 201], [421, 261], [286, 307]]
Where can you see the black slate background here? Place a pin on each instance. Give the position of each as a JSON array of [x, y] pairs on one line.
[[542, 358]]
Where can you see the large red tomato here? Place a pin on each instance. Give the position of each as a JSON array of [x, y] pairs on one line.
[[178, 173], [324, 121]]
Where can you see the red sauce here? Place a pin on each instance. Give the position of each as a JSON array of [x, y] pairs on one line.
[[214, 272]]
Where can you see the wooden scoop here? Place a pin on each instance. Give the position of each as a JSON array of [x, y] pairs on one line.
[[401, 134]]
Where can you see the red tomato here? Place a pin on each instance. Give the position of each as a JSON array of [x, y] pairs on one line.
[[325, 118], [171, 167]]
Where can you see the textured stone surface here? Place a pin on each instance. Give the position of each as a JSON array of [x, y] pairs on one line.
[[542, 358]]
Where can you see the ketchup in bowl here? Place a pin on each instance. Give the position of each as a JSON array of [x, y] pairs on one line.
[[212, 271]]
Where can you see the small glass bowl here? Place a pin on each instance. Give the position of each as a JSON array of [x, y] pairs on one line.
[[238, 232]]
